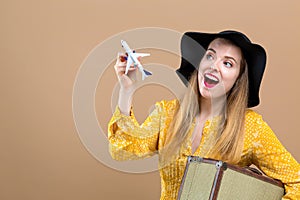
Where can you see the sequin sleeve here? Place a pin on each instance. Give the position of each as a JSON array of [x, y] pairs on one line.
[[273, 159], [128, 140]]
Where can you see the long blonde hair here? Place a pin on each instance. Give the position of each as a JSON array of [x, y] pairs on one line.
[[227, 143]]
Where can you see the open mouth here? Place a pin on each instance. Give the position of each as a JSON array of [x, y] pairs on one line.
[[210, 80]]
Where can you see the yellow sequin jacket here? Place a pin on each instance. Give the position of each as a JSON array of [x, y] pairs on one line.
[[128, 140]]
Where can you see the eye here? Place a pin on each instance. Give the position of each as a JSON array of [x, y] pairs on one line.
[[228, 64], [209, 57]]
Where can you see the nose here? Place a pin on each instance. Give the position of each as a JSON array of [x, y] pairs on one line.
[[215, 67]]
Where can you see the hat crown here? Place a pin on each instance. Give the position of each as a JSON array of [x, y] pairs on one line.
[[230, 32]]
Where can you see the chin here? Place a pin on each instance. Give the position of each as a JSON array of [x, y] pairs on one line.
[[205, 93], [214, 93]]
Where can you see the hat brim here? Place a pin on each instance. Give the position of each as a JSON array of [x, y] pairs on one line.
[[194, 45]]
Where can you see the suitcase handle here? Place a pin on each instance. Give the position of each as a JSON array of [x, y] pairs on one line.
[[256, 171]]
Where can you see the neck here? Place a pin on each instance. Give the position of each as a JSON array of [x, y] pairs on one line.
[[212, 107]]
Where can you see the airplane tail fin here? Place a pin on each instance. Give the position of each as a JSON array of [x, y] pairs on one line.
[[146, 74]]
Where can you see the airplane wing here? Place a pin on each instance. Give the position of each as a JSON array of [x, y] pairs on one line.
[[141, 54]]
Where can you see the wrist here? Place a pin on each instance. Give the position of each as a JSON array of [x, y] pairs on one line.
[[125, 101], [126, 91]]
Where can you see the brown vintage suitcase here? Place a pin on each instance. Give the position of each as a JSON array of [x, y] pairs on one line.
[[207, 179]]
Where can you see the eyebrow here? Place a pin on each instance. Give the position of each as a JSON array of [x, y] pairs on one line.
[[211, 50], [227, 57]]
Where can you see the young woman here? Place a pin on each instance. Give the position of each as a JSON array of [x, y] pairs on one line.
[[213, 118]]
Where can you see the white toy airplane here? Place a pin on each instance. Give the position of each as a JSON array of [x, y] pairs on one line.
[[132, 58]]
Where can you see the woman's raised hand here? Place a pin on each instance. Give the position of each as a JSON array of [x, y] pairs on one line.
[[126, 80], [126, 83]]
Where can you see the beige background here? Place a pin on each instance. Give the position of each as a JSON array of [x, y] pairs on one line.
[[43, 44]]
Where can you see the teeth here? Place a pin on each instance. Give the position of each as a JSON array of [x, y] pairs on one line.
[[211, 77]]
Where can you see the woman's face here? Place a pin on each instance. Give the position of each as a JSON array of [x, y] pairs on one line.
[[219, 68]]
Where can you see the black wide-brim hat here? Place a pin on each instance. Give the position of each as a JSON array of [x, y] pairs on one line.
[[194, 45]]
